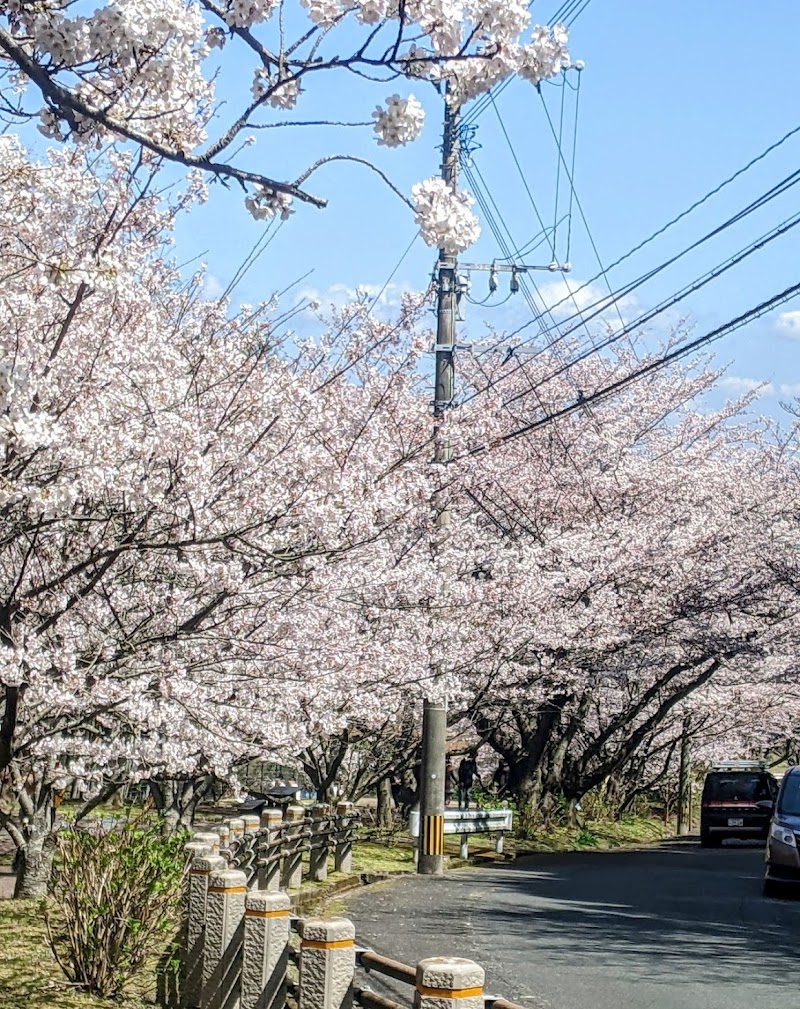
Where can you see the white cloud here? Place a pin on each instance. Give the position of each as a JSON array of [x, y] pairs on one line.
[[739, 386], [789, 390], [565, 296], [212, 287], [788, 323]]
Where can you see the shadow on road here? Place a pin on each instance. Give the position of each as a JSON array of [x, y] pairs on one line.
[[651, 912]]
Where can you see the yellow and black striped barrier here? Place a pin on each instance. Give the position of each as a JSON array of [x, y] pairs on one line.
[[432, 835]]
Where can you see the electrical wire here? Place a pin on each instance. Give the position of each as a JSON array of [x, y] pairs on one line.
[[603, 271], [578, 13], [602, 304], [572, 172], [648, 316], [521, 173], [669, 358], [698, 203], [559, 160]]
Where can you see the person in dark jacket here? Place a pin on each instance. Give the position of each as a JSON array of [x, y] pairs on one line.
[[467, 773], [450, 781], [500, 778]]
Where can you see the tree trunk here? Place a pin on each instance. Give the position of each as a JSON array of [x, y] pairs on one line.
[[383, 813], [34, 860], [176, 801], [525, 783]]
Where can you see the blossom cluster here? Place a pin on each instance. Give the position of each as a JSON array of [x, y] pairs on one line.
[[147, 68], [246, 13], [398, 122], [265, 203], [279, 95], [444, 217]]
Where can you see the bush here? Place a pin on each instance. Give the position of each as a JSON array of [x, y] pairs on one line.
[[116, 897]]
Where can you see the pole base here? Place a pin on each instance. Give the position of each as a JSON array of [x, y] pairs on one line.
[[430, 865]]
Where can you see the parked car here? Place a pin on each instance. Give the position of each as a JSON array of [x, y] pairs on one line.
[[783, 841], [737, 802], [279, 796]]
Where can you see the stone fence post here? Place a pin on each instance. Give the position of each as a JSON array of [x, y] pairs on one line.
[[269, 872], [327, 963], [223, 943], [265, 950], [319, 842], [199, 875], [449, 982], [292, 871], [211, 838], [343, 851], [251, 823]]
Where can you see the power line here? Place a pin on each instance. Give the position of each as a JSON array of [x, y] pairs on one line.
[[651, 314], [689, 210], [578, 13], [603, 271], [681, 295], [601, 304], [661, 362], [521, 173]]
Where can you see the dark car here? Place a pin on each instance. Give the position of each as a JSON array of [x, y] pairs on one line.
[[276, 796], [737, 802], [783, 842]]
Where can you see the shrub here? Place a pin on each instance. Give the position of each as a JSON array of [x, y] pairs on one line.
[[115, 903]]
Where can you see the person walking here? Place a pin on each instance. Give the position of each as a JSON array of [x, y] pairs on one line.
[[450, 781], [467, 772], [500, 778]]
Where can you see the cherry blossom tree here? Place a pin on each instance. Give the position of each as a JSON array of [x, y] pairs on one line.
[[149, 71], [183, 500], [627, 558]]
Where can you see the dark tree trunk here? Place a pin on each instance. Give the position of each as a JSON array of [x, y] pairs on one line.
[[176, 800]]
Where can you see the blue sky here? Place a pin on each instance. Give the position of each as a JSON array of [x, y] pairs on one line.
[[674, 98]]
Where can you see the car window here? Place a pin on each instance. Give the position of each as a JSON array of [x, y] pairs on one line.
[[736, 787], [789, 802]]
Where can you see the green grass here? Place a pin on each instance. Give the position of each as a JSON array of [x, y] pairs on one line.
[[29, 976], [370, 856], [595, 834]]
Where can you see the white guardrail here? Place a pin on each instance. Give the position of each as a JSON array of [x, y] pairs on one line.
[[470, 821]]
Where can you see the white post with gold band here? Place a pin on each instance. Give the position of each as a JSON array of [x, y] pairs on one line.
[[266, 937], [222, 954], [197, 849], [320, 841], [199, 874], [251, 823], [207, 837], [343, 852], [269, 875], [236, 827], [449, 982], [327, 963]]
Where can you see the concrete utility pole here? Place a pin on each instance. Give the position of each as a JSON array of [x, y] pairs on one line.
[[430, 860], [684, 780]]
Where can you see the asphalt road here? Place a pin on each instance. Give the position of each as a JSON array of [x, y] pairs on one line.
[[670, 927]]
